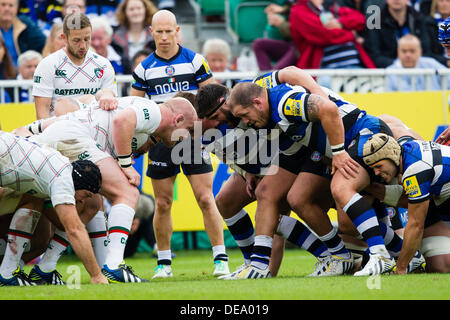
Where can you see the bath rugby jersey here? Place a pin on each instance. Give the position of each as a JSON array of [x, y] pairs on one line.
[[287, 105], [57, 77], [162, 78], [244, 147], [426, 171]]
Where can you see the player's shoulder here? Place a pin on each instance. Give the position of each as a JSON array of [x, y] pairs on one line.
[[97, 58], [53, 58]]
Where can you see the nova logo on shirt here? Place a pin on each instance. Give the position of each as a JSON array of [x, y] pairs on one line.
[[293, 108], [411, 187]]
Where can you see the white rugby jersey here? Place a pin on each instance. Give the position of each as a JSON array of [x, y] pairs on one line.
[[57, 77], [98, 124], [29, 168]]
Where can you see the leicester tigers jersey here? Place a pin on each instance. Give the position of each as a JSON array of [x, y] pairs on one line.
[[57, 77], [29, 168], [161, 79], [426, 171]]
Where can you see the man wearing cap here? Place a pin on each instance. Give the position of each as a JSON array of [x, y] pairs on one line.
[[423, 168]]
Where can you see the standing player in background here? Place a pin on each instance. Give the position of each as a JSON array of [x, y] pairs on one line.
[[172, 68], [73, 71]]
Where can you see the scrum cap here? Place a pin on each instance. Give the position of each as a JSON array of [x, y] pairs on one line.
[[380, 147]]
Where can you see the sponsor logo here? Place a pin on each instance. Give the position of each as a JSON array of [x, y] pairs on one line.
[[172, 87], [78, 91], [146, 114], [293, 108], [391, 212], [60, 73], [37, 79], [265, 82], [411, 187]]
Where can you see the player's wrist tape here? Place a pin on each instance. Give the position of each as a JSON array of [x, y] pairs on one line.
[[392, 194], [337, 149], [35, 127], [124, 161]]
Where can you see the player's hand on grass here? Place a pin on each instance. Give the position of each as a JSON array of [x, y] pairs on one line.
[[100, 279], [343, 163]]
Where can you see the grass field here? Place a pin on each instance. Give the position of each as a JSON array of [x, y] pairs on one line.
[[193, 281]]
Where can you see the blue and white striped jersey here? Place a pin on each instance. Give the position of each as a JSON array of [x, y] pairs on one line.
[[426, 171], [287, 110], [161, 79]]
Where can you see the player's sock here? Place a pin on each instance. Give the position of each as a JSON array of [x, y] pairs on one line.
[[365, 220], [99, 236], [335, 244], [262, 250], [55, 249], [243, 232], [165, 257], [20, 231], [297, 233], [391, 239], [119, 223], [219, 253]]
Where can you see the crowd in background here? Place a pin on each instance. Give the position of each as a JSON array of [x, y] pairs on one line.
[[311, 34]]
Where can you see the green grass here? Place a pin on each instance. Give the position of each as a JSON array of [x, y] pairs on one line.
[[193, 281]]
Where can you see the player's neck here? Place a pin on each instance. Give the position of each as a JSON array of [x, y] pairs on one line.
[[167, 54]]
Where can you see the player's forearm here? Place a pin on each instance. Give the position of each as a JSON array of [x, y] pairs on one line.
[[412, 238], [332, 124], [42, 105], [122, 132]]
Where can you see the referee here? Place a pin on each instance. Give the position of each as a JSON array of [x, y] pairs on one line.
[[170, 69]]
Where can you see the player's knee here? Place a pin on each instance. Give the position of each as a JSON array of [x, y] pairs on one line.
[[163, 204], [263, 192], [205, 200]]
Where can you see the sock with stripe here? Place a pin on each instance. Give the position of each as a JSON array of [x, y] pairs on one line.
[[164, 257], [365, 220], [335, 244], [297, 233], [21, 228], [119, 223], [219, 253], [391, 239], [262, 250], [243, 232], [99, 236], [55, 249]]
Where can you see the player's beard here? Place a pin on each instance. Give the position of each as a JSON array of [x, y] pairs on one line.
[[76, 54]]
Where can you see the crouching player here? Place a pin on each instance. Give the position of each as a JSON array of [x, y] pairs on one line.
[[424, 168]]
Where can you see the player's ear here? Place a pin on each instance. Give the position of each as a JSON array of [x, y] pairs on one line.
[[179, 120]]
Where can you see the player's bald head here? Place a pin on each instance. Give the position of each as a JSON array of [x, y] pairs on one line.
[[163, 17], [182, 106]]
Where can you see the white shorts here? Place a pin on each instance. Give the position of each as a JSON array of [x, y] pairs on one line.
[[72, 140], [435, 246]]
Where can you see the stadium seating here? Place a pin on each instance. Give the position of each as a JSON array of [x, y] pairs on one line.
[[244, 19], [204, 8]]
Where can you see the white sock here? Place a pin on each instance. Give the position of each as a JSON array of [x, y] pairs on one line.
[[165, 257], [99, 236], [54, 251], [21, 228], [219, 253], [119, 223]]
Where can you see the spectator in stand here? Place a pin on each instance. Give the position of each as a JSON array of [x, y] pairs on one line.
[[410, 56], [440, 10], [132, 35], [101, 42], [19, 34], [321, 36], [397, 19], [54, 40], [7, 70], [277, 50], [27, 63], [218, 54], [104, 8]]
